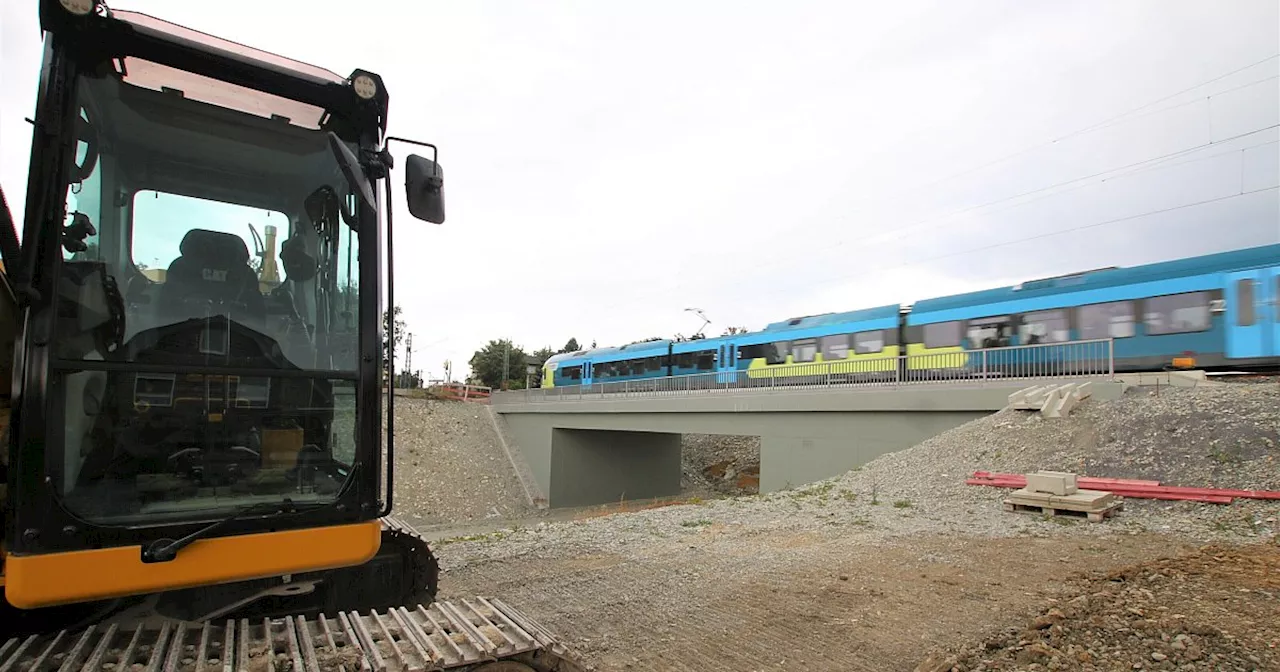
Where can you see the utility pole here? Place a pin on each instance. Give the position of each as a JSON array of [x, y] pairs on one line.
[[408, 356], [506, 363]]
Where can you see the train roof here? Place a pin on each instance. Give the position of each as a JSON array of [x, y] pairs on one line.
[[1105, 278], [828, 319]]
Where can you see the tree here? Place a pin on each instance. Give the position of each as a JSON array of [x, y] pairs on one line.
[[489, 362], [571, 346], [542, 355], [386, 332]]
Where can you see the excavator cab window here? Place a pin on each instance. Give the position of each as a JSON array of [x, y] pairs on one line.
[[208, 312], [227, 385]]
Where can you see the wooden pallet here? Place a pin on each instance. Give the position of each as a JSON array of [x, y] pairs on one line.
[[1095, 516]]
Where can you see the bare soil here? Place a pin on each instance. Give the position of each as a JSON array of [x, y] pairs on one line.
[[890, 607], [1216, 608]]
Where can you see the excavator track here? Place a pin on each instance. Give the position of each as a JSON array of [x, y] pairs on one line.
[[469, 635]]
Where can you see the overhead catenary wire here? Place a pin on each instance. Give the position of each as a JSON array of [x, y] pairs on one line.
[[1138, 167], [1154, 162], [1090, 128], [1039, 236]]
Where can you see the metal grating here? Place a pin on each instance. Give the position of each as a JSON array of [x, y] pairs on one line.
[[442, 636]]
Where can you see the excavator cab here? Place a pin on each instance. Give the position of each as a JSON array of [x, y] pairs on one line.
[[181, 418]]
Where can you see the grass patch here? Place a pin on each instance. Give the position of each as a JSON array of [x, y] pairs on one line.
[[902, 504], [498, 535], [701, 522]]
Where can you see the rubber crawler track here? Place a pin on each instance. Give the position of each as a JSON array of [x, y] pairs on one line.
[[458, 635]]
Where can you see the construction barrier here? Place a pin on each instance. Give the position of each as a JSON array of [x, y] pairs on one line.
[[463, 392]]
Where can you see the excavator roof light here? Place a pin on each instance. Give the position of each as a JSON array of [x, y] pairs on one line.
[[365, 87], [78, 7]]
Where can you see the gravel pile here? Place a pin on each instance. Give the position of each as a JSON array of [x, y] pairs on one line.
[[1215, 609], [450, 466], [1224, 436]]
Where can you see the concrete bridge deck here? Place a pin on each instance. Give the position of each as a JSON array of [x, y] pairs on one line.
[[601, 450]]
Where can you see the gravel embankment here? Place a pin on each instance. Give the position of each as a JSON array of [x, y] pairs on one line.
[[450, 467]]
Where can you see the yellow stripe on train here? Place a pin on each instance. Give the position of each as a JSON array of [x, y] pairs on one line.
[[885, 361]]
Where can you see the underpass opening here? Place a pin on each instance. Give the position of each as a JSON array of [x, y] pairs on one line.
[[592, 466]]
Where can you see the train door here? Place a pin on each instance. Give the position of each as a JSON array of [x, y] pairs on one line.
[[1251, 326], [586, 372], [727, 363], [1271, 280]]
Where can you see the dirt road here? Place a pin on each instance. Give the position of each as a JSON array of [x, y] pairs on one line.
[[799, 601]]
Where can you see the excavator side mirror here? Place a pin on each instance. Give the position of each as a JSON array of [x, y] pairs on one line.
[[424, 188]]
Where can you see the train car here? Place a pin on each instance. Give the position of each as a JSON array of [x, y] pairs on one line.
[[853, 345], [1217, 311], [635, 361], [1210, 312]]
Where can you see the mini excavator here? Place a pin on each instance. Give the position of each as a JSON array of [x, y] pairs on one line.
[[196, 473]]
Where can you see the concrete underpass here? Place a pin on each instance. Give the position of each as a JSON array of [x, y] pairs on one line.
[[594, 451]]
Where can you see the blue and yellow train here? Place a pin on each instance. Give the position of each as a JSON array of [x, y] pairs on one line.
[[1213, 312]]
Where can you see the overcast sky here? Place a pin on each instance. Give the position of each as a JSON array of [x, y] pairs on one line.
[[609, 164]]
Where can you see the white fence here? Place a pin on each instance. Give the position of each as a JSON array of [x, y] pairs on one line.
[[1074, 359]]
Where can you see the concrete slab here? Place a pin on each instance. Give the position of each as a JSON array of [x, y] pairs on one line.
[[1052, 482]]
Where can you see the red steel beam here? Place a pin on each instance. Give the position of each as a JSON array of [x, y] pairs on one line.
[[1117, 484], [1136, 493]]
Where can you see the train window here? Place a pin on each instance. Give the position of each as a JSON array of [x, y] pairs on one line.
[[1177, 313], [1048, 326], [776, 353], [942, 334], [1106, 320], [571, 372], [1244, 303], [868, 342], [706, 360], [835, 347], [988, 332], [804, 350]]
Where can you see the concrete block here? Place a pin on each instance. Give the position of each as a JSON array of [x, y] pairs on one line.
[[1024, 399], [1052, 482]]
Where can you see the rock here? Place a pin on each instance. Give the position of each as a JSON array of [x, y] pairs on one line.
[[1157, 656], [936, 663]]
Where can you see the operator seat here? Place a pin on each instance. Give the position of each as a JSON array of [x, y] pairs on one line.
[[212, 269]]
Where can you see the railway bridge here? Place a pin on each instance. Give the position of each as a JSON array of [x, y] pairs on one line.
[[606, 442]]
